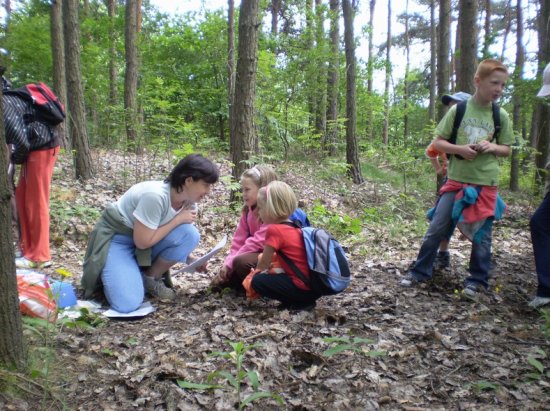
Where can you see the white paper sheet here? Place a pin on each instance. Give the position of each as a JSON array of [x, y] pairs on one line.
[[201, 261], [144, 309]]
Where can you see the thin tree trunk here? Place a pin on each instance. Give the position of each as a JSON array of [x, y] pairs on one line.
[[231, 60], [406, 80], [516, 98], [12, 349], [487, 39], [467, 63], [311, 72], [333, 79], [275, 8], [508, 28], [58, 60], [385, 131], [370, 63], [352, 152], [75, 99], [131, 76], [433, 62], [113, 93], [244, 142], [321, 90], [443, 47]]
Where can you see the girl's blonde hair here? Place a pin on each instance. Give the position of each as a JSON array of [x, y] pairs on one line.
[[278, 200], [260, 175]]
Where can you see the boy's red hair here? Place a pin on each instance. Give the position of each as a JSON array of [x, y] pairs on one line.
[[486, 68]]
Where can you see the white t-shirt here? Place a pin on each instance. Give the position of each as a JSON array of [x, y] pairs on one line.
[[149, 203]]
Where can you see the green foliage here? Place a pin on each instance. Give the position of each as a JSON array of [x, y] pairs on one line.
[[539, 370], [482, 385], [355, 344], [333, 222], [236, 377]]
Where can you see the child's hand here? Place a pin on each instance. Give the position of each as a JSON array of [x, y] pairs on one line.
[[468, 151], [186, 216], [485, 147]]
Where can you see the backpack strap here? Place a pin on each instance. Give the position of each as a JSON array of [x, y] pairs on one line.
[[295, 268], [496, 121], [459, 115]]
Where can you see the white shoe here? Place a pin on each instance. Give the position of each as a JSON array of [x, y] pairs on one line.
[[23, 262], [539, 302]]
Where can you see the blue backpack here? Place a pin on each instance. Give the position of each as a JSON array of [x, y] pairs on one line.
[[329, 271]]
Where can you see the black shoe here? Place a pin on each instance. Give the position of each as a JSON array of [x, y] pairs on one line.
[[297, 306]]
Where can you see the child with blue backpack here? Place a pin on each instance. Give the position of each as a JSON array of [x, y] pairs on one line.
[[249, 237], [276, 203]]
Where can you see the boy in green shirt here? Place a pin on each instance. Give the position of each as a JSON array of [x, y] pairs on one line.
[[473, 169]]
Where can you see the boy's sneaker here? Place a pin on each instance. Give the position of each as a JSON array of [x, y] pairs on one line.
[[442, 260], [23, 262], [409, 281], [471, 291], [157, 288], [539, 302]]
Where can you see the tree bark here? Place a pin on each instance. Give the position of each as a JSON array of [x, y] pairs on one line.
[[370, 62], [75, 99], [331, 137], [386, 131], [321, 90], [352, 155], [230, 60], [275, 9], [131, 76], [467, 40], [542, 109], [443, 52], [516, 97], [113, 92], [58, 60], [12, 350], [487, 38], [244, 142], [406, 79], [433, 62]]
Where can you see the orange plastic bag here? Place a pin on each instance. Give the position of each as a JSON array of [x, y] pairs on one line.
[[251, 294], [35, 296]]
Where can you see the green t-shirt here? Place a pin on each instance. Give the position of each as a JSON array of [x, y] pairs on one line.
[[477, 125]]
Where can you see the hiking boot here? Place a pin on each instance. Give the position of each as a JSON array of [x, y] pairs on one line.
[[442, 260], [471, 291], [409, 281], [157, 288], [167, 279], [294, 307], [538, 302]]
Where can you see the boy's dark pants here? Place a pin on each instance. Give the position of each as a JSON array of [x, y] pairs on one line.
[[280, 287], [540, 236]]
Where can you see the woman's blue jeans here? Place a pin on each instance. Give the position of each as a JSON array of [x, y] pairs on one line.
[[540, 236], [121, 276], [440, 226]]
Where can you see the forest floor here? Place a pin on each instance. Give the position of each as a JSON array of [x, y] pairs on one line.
[[409, 349]]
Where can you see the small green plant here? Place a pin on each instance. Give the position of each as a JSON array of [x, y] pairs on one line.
[[482, 385], [333, 222], [545, 314], [236, 378], [355, 344], [537, 366]]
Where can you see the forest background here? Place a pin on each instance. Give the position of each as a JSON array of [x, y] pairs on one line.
[[277, 82]]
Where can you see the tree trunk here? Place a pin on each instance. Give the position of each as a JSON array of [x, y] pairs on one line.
[[58, 60], [516, 97], [244, 142], [544, 119], [321, 90], [433, 62], [113, 92], [75, 99], [230, 60], [406, 80], [12, 351], [352, 155], [508, 19], [370, 62], [331, 138], [275, 9], [385, 131], [311, 64], [131, 76], [467, 63], [443, 47], [487, 39]]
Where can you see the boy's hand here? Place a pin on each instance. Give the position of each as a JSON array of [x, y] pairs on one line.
[[485, 147], [468, 151]]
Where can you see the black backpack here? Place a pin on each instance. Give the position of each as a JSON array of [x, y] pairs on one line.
[[47, 107], [459, 115]]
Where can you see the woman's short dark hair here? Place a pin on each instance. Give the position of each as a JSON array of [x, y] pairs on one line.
[[195, 166]]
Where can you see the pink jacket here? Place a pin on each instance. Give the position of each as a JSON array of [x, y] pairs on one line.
[[249, 237]]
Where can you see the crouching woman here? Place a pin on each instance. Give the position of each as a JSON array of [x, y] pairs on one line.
[[148, 230]]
